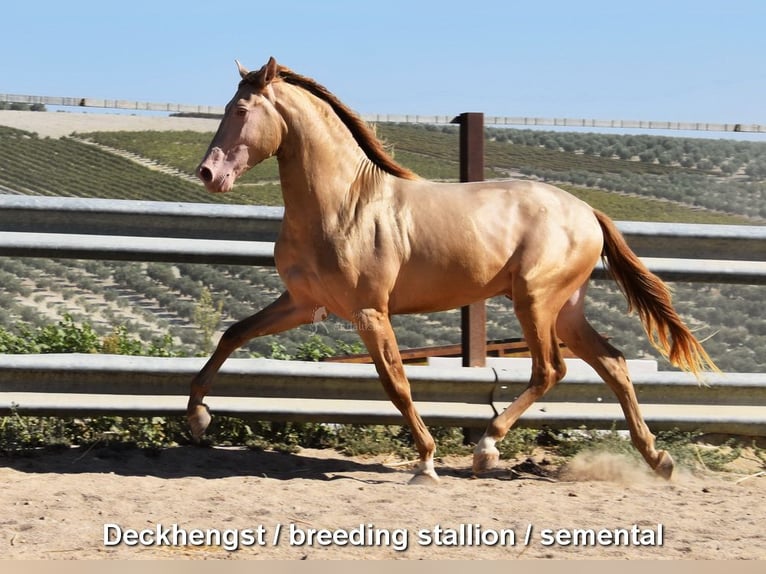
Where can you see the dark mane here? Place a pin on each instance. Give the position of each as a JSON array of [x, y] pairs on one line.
[[362, 133]]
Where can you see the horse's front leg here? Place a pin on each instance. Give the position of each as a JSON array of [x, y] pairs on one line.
[[281, 315], [375, 329]]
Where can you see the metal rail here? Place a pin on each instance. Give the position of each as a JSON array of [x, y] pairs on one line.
[[88, 385], [105, 229], [122, 217]]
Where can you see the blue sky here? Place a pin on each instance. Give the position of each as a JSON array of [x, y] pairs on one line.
[[651, 60]]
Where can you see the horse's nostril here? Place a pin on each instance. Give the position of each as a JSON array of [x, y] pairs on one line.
[[205, 174]]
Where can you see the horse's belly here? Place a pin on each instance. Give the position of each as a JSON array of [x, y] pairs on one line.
[[427, 288]]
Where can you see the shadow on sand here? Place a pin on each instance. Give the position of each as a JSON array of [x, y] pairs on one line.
[[194, 461], [223, 462]]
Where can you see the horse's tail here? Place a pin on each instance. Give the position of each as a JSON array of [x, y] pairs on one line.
[[650, 297]]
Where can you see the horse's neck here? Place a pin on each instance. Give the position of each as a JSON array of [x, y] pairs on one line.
[[319, 160]]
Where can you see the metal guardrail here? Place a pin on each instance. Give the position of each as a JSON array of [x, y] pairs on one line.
[[110, 104], [121, 217], [87, 385], [397, 118], [107, 229], [127, 248], [129, 230]]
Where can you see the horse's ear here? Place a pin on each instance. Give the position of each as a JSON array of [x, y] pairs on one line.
[[242, 70], [269, 71]]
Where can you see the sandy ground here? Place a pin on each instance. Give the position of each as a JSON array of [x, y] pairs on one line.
[[57, 505], [58, 124]]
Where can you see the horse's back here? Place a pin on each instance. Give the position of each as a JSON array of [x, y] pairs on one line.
[[500, 216]]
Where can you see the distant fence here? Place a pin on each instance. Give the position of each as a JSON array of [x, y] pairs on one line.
[[398, 118], [285, 390]]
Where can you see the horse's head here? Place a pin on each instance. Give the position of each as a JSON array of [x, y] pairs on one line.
[[251, 130]]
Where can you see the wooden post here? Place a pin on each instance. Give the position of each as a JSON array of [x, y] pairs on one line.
[[473, 318]]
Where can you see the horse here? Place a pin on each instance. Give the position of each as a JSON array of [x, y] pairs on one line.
[[365, 238]]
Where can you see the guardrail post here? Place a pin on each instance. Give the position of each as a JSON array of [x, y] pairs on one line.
[[473, 318]]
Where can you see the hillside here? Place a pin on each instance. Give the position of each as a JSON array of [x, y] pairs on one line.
[[621, 177]]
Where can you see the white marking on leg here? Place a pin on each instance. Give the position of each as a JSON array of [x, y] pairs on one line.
[[485, 455], [425, 468], [486, 445]]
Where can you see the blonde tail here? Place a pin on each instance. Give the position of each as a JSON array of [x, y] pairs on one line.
[[648, 295]]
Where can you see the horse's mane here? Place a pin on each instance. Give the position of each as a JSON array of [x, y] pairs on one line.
[[363, 134]]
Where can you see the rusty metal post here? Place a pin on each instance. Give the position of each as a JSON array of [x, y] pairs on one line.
[[473, 318]]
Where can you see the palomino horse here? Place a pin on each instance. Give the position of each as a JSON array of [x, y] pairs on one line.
[[366, 239]]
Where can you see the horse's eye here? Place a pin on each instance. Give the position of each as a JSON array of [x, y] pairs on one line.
[[241, 111]]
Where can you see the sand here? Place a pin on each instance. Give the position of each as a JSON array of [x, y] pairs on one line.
[[318, 504], [59, 124]]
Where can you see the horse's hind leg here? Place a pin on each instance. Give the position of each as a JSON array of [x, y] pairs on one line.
[[375, 329], [574, 330], [280, 316], [536, 316]]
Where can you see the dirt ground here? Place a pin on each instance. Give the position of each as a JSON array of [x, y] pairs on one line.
[[59, 124], [230, 503]]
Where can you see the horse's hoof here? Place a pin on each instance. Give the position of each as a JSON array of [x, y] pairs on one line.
[[425, 473], [425, 478], [485, 460], [665, 466], [199, 418]]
